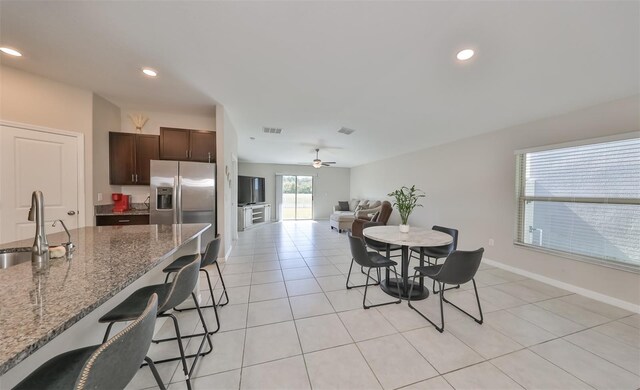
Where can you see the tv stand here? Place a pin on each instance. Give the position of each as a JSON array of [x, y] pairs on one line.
[[252, 215]]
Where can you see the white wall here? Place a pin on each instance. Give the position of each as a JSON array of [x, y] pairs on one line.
[[228, 147], [31, 99], [330, 185], [106, 118], [470, 185]]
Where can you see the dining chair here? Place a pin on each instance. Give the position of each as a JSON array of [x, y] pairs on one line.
[[437, 252], [459, 267], [369, 260], [110, 365]]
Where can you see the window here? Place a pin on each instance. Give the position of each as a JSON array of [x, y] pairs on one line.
[[582, 200]]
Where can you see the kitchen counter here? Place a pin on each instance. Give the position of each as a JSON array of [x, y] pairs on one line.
[[36, 305], [107, 210]]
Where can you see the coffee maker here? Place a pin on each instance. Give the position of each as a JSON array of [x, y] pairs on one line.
[[121, 202]]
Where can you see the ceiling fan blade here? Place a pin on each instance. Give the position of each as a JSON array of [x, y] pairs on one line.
[[329, 162], [325, 165]]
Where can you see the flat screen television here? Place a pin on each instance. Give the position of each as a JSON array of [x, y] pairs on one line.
[[250, 190]]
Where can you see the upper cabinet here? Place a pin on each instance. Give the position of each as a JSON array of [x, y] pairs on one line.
[[187, 145], [130, 156]]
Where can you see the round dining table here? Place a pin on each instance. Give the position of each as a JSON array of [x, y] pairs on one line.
[[418, 237]]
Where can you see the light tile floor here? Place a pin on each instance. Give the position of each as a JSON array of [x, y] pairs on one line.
[[291, 324]]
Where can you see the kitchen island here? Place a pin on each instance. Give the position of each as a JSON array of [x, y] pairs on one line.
[[38, 305]]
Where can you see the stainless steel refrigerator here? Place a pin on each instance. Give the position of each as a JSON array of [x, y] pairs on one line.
[[183, 192]]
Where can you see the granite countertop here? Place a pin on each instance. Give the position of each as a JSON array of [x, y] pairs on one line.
[[136, 209], [36, 305]]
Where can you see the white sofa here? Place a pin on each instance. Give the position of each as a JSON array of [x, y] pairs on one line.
[[358, 208]]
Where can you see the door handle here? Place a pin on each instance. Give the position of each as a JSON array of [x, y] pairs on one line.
[[71, 212], [136, 177], [133, 180], [186, 153], [124, 220], [209, 154]]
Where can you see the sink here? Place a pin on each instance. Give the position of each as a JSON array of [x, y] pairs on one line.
[[13, 256]]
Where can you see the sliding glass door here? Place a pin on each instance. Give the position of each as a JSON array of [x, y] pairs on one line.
[[297, 197]]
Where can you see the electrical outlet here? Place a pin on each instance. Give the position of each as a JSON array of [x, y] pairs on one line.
[[99, 196], [491, 242]]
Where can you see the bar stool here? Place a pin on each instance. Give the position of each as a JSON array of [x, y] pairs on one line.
[[210, 256], [110, 365], [169, 296]]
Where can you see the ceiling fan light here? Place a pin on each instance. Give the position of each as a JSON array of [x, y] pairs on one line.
[[317, 163]]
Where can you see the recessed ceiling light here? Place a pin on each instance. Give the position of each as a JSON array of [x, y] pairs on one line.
[[465, 54], [149, 72], [10, 51]]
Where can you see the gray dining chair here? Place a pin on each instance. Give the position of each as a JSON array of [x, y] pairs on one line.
[[460, 267], [370, 260]]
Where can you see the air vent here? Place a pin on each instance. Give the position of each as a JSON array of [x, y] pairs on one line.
[[346, 131], [271, 130]]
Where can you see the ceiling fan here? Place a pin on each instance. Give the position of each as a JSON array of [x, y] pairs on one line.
[[317, 163]]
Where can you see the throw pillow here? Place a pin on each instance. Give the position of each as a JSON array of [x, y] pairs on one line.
[[374, 204], [354, 203], [375, 217], [344, 206]]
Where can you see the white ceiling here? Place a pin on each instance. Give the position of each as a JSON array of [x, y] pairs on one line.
[[386, 69]]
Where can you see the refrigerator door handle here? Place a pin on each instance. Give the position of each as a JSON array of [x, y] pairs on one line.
[[177, 201], [179, 208]]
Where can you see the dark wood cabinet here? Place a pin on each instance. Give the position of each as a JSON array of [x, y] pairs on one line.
[[147, 149], [203, 146], [110, 220], [174, 143], [187, 145], [130, 156]]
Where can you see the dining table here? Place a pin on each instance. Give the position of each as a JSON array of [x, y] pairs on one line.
[[416, 237]]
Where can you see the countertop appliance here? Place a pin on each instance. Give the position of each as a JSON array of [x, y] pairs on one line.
[[121, 202], [183, 192]]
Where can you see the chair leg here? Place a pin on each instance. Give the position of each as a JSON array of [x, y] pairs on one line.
[[438, 328], [478, 320], [364, 298], [155, 373], [376, 282]]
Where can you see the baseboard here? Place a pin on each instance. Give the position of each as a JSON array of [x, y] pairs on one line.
[[566, 286], [228, 253]]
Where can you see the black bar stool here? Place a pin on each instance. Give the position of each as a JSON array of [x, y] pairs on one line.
[[210, 256], [169, 296], [460, 267], [369, 260], [110, 365]]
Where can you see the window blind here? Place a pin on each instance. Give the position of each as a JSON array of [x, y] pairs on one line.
[[582, 200]]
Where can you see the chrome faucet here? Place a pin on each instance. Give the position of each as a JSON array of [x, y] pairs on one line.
[[40, 249], [68, 246]]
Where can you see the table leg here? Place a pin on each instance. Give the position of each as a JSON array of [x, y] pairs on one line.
[[421, 265], [389, 285]]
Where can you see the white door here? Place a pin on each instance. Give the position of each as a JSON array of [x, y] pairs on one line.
[[36, 160]]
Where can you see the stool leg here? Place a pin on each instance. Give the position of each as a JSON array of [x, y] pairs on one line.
[[181, 347], [154, 371], [224, 288], [106, 334]]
